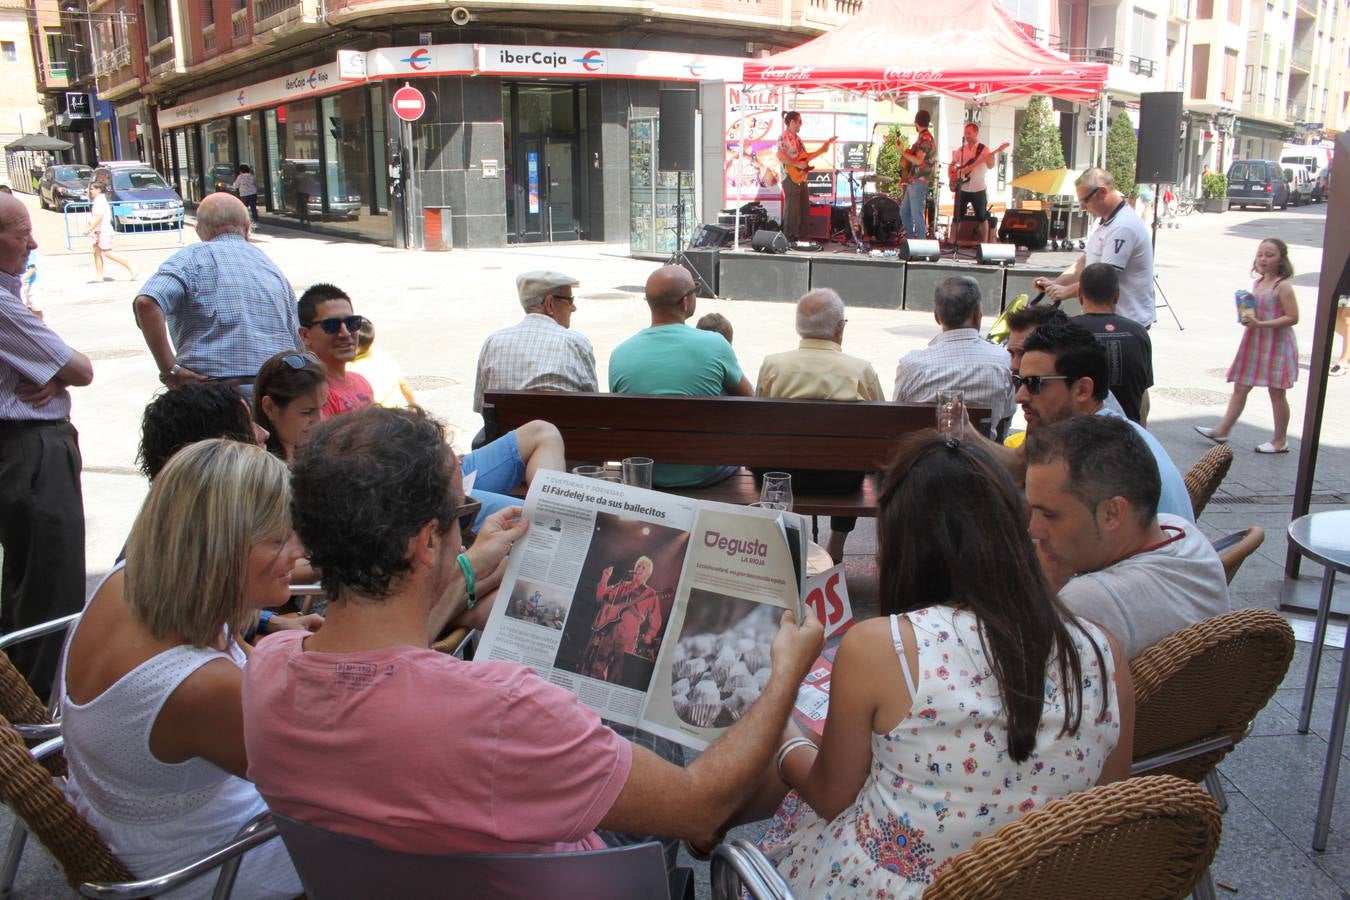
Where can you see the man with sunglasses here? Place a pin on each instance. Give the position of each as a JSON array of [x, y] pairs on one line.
[[1064, 373], [1121, 240], [541, 352], [218, 309], [330, 330]]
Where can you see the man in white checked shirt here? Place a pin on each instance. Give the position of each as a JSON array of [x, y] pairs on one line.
[[959, 359], [541, 352]]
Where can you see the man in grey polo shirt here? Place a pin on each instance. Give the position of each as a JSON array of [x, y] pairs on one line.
[[1121, 241]]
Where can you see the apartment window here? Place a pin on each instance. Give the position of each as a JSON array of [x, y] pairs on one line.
[[1200, 71], [1248, 82], [57, 64], [1204, 9], [8, 52], [1235, 11], [160, 26], [1023, 10], [1143, 32], [208, 13], [1230, 66]]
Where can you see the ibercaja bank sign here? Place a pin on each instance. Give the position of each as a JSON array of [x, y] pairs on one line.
[[547, 60]]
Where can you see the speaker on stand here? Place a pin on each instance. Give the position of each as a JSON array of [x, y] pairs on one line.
[[675, 153], [1159, 156]]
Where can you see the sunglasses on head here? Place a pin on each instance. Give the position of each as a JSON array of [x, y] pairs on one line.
[[467, 511], [334, 325], [299, 360], [1033, 383]]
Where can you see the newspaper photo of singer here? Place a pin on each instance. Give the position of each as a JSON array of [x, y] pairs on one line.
[[622, 602]]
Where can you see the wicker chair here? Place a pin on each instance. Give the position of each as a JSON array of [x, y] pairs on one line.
[[1142, 837], [1197, 691], [1236, 547], [1207, 474], [89, 866]]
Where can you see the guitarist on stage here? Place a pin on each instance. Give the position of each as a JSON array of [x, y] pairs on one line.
[[919, 155], [796, 163], [629, 610], [970, 163]]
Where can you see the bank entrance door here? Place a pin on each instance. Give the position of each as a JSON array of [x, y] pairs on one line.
[[545, 143]]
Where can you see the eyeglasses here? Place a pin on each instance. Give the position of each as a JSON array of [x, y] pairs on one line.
[[1090, 194], [300, 360], [334, 325], [467, 511], [571, 301], [1033, 383]]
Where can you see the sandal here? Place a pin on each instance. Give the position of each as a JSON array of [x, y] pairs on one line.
[[1337, 369], [1209, 433], [1268, 447]]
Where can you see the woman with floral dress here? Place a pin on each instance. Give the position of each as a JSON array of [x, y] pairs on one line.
[[976, 699], [1268, 354]]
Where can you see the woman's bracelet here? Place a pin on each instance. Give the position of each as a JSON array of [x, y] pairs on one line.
[[788, 746], [470, 583]]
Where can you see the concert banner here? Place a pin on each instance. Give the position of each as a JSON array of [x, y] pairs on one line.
[[646, 604], [754, 117]]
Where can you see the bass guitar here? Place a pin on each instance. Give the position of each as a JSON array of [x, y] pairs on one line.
[[959, 175], [797, 170]]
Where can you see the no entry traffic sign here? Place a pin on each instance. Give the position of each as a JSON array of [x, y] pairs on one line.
[[409, 104]]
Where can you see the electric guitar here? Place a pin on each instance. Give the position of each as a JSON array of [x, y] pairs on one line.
[[959, 175], [797, 170]]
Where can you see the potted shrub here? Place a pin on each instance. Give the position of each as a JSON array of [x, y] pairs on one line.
[[1214, 187]]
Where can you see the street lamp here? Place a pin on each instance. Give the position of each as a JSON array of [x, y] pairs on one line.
[[1224, 121]]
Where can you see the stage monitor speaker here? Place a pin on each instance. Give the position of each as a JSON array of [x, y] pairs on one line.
[[1028, 228], [920, 250], [702, 264], [966, 233], [996, 254], [1159, 138], [713, 236], [818, 222], [769, 242], [675, 148]]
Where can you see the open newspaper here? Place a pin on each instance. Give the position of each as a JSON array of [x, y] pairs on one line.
[[654, 609]]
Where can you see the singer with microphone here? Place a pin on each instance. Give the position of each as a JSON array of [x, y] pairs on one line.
[[629, 611]]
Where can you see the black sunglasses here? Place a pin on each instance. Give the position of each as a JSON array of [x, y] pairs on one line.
[[467, 511], [334, 325], [1033, 383], [1090, 194]]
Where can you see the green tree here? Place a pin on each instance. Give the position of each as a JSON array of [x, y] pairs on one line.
[[888, 157], [1121, 147], [1038, 145]]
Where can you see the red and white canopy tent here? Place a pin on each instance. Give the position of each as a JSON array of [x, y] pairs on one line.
[[968, 49]]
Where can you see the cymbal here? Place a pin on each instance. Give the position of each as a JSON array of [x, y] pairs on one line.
[[881, 180]]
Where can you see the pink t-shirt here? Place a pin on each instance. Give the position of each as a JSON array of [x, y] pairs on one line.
[[349, 393], [418, 751]]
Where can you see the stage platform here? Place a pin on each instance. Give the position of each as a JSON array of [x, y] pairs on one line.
[[883, 282]]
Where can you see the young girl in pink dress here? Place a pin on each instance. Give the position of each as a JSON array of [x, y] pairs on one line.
[[1268, 354]]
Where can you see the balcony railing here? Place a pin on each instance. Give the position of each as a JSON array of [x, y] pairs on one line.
[[1180, 9], [161, 53], [209, 37], [1106, 55], [1141, 66], [110, 61], [239, 23], [838, 7]]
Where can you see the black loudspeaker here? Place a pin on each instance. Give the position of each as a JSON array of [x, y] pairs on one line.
[[1028, 228], [713, 236], [702, 263], [769, 242], [675, 150], [1159, 138]]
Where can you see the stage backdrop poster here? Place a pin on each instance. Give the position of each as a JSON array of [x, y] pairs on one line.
[[754, 124]]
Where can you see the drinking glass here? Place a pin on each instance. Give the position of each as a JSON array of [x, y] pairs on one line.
[[951, 414], [637, 471], [589, 471], [613, 479], [776, 490]]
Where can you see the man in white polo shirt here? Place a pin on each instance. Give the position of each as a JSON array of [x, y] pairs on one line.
[[1121, 240]]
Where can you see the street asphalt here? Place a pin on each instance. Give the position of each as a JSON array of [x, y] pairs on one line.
[[432, 311]]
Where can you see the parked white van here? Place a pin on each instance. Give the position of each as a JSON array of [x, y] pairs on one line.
[[1300, 183]]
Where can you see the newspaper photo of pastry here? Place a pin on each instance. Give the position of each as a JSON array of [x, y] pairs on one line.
[[623, 600], [721, 659], [538, 605]]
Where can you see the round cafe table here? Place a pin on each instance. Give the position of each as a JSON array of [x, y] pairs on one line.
[[1324, 538]]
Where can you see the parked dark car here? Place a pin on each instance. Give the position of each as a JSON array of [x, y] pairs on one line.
[[64, 184], [222, 178], [1257, 182], [140, 196]]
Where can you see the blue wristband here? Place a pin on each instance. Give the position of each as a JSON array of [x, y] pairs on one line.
[[470, 583], [263, 619]]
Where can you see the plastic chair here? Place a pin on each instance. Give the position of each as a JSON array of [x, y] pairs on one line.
[[89, 866], [1142, 837], [1234, 549], [1207, 474], [739, 868], [335, 866]]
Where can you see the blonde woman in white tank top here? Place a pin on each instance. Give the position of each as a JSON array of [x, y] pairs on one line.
[[925, 748], [152, 681]]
